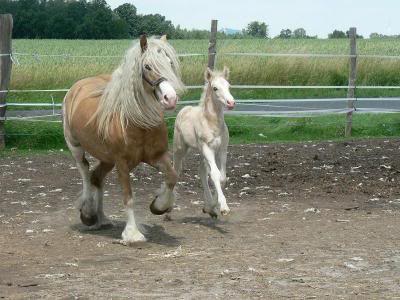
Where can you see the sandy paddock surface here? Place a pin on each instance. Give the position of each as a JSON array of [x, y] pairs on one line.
[[308, 220]]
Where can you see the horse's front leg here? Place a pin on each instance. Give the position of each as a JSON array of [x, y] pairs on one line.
[[131, 232], [165, 199], [215, 174]]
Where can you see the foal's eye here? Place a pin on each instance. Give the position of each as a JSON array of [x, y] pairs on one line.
[[215, 88], [147, 67]]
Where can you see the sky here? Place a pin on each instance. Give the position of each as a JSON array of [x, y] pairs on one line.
[[318, 17]]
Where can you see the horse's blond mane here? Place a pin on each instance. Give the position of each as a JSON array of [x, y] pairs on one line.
[[125, 97]]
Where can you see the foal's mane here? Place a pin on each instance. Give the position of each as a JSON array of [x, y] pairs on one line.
[[124, 98]]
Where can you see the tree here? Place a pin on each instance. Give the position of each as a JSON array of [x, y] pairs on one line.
[[257, 29], [375, 35], [300, 33], [127, 12], [285, 34], [337, 34], [101, 23], [155, 25]]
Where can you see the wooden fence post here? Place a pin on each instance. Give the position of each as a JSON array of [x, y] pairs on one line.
[[6, 24], [212, 47], [351, 92]]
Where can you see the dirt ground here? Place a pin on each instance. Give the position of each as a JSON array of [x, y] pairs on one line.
[[309, 220]]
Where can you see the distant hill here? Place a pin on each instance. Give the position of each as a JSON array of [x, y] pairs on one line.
[[230, 31]]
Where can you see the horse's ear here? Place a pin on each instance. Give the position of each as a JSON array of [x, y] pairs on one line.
[[143, 42], [226, 72], [208, 74], [164, 38]]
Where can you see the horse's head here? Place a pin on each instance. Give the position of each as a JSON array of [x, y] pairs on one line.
[[160, 70], [218, 82]]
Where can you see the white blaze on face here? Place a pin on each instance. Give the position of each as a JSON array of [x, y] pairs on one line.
[[223, 93], [167, 95]]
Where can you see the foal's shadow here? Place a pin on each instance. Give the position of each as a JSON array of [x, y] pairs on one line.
[[155, 234], [206, 222]]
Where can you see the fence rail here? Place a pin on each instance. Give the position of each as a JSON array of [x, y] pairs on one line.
[[251, 87], [256, 54]]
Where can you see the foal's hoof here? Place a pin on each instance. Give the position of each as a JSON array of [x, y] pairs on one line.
[[225, 212], [157, 212], [88, 220]]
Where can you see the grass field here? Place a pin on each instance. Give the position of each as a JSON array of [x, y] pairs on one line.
[[25, 135], [61, 72]]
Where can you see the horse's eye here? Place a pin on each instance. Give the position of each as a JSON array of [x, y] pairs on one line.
[[147, 67], [215, 88]]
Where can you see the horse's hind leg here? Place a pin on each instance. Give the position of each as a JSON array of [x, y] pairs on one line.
[[86, 204], [180, 151], [97, 180]]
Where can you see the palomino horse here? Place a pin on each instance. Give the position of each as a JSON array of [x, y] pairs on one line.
[[203, 127], [119, 120]]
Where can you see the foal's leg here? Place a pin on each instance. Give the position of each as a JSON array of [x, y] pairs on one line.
[[97, 181], [210, 205], [131, 233], [215, 174], [165, 200], [86, 203], [180, 151], [222, 154]]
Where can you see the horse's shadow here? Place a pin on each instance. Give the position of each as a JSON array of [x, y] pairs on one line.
[[206, 222], [155, 234]]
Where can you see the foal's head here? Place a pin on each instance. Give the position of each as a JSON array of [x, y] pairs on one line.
[[219, 85], [160, 70]]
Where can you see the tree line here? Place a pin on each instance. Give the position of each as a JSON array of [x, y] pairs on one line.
[[94, 19], [82, 19]]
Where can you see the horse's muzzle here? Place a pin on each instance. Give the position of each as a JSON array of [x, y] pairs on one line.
[[169, 104]]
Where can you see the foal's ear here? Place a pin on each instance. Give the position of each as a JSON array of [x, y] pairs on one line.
[[143, 42], [226, 72], [208, 74], [164, 38]]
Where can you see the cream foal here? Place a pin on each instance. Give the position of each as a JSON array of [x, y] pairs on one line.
[[203, 127]]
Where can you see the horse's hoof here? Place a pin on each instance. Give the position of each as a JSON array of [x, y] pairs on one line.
[[157, 212], [132, 237], [212, 214], [88, 220]]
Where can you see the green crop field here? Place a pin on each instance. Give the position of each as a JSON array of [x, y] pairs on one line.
[[34, 72], [62, 72]]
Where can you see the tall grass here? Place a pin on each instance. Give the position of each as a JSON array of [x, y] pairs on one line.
[[62, 72]]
